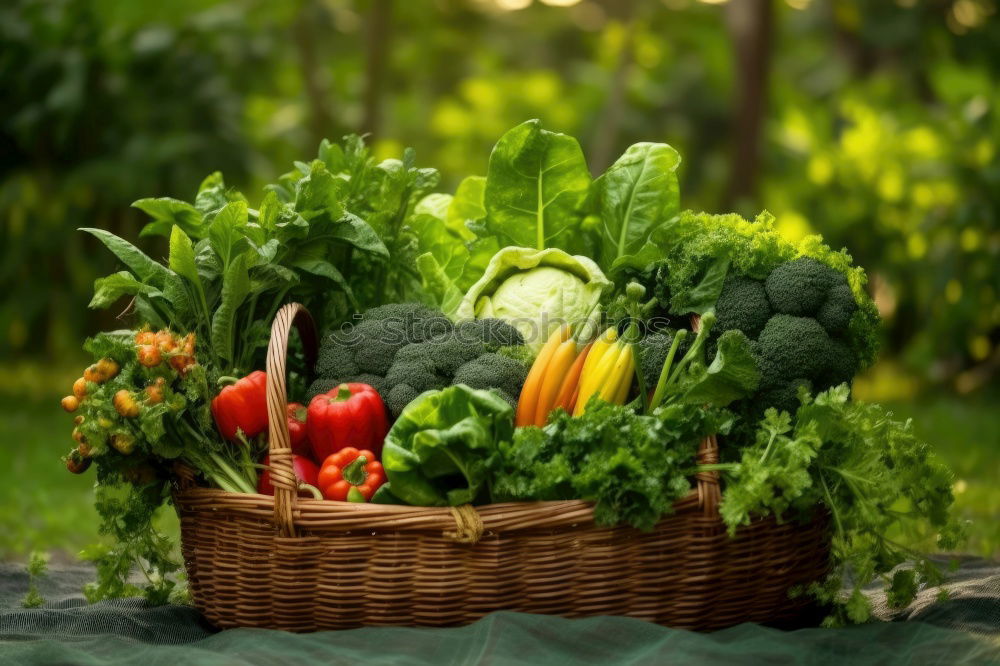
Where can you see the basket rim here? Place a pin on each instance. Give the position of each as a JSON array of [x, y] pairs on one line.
[[334, 516]]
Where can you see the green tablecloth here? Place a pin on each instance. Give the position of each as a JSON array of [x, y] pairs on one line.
[[962, 630]]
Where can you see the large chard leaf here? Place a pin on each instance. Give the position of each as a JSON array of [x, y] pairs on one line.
[[635, 194], [536, 183]]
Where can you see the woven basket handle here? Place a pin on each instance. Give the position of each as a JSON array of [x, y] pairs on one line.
[[279, 442], [709, 492]]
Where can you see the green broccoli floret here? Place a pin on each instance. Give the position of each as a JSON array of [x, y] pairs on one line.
[[841, 366], [494, 371], [784, 397], [792, 347], [434, 363], [838, 308], [494, 333], [799, 287], [365, 351], [742, 306], [398, 397], [653, 350], [416, 365], [519, 353], [369, 345]]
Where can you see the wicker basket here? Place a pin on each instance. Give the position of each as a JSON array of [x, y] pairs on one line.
[[298, 564]]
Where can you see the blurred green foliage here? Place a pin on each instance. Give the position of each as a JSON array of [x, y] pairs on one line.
[[881, 127]]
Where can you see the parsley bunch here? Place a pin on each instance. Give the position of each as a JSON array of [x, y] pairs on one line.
[[633, 466], [872, 474]]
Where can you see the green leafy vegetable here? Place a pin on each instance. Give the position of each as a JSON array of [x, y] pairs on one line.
[[333, 234], [633, 466], [37, 568], [436, 452], [536, 290], [871, 474], [635, 195], [536, 184]]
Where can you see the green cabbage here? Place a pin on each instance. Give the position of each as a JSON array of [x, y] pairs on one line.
[[536, 291]]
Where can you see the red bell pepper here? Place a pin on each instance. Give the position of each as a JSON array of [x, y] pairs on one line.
[[347, 415], [296, 414], [350, 475], [305, 471], [242, 406]]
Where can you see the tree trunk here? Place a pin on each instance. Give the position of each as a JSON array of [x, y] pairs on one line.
[[609, 121], [378, 48], [321, 123], [750, 25]]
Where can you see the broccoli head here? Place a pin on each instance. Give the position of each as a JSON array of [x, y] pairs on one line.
[[743, 306], [370, 344], [494, 371], [799, 287], [435, 363], [792, 347], [653, 350], [405, 349], [494, 333], [841, 366], [784, 397], [838, 308]]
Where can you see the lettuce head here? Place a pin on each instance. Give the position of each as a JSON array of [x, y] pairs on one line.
[[536, 291]]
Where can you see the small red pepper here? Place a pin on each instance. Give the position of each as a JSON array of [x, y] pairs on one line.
[[347, 415], [242, 406], [350, 475], [305, 471], [296, 413]]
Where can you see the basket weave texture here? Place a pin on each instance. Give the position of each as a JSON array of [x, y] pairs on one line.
[[285, 562]]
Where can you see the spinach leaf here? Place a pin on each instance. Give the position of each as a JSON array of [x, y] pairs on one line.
[[213, 195], [536, 184], [635, 194], [144, 267], [358, 233]]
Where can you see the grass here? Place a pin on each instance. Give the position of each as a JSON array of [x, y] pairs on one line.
[[44, 507], [965, 433]]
